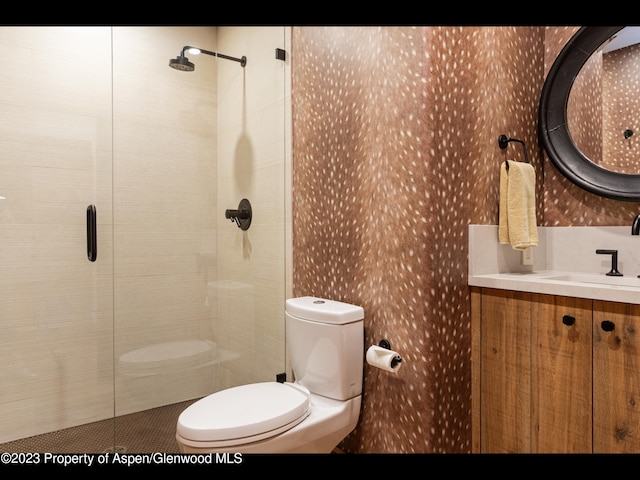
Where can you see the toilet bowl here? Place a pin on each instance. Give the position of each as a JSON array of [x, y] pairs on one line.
[[313, 414], [293, 421]]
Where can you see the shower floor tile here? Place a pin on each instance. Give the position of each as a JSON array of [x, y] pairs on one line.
[[142, 432]]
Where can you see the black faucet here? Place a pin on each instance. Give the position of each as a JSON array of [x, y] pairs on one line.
[[614, 261], [635, 226]]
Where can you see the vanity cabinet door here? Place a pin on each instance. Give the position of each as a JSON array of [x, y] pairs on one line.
[[534, 373], [616, 377], [505, 372], [561, 375]]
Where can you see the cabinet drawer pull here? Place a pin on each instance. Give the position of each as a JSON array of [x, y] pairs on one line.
[[568, 320], [607, 325]]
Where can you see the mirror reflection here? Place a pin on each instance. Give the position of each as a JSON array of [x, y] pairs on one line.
[[604, 102]]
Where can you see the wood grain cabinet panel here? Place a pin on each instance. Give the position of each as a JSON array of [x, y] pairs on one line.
[[534, 362], [616, 377], [505, 379], [561, 378], [554, 374]]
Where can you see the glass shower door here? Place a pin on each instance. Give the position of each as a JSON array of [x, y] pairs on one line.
[[56, 304], [165, 209]]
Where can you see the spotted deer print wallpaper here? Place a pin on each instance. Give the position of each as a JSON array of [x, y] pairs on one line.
[[621, 74], [395, 153]]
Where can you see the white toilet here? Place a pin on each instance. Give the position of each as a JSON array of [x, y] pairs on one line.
[[313, 414]]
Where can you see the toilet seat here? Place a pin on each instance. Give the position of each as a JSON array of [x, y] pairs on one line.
[[244, 414]]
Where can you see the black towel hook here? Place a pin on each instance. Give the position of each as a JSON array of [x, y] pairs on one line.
[[503, 142]]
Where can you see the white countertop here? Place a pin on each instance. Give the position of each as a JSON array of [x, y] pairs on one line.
[[561, 251], [539, 282]]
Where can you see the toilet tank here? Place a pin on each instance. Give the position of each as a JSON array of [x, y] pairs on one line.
[[325, 344]]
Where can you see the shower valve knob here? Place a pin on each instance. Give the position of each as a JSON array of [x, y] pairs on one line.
[[242, 216]]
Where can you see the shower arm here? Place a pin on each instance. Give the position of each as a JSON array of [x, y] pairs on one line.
[[242, 61]]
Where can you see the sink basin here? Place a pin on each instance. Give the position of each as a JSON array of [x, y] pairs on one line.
[[602, 279]]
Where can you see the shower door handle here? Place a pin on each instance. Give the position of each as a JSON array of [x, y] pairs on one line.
[[92, 237]]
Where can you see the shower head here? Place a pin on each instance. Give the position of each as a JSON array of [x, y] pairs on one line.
[[182, 63]]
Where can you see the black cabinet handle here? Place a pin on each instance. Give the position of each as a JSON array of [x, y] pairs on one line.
[[92, 235], [607, 325], [568, 320]]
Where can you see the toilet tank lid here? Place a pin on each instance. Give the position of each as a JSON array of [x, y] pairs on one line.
[[323, 310]]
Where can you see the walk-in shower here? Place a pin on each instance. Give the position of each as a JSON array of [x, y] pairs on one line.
[[175, 304], [181, 62]]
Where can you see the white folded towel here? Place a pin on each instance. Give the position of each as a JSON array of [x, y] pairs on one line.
[[517, 216]]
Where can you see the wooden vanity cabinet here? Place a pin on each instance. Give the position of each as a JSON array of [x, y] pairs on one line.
[[616, 377], [554, 374], [505, 376], [562, 378], [535, 373]]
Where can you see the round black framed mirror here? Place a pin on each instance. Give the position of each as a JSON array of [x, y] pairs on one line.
[[553, 126]]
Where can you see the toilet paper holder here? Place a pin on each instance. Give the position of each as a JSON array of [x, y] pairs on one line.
[[384, 343]]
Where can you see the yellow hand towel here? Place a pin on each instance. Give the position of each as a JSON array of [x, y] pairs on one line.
[[517, 215]]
